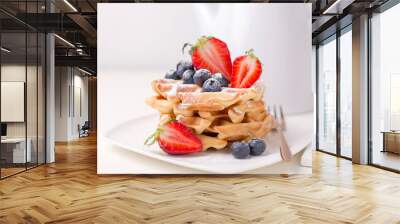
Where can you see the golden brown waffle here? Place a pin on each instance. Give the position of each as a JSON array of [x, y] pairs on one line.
[[216, 117], [160, 104], [198, 124], [212, 142], [243, 131]]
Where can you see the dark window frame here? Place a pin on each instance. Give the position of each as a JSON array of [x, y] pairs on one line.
[[334, 37]]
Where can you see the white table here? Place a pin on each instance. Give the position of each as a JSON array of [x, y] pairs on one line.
[[19, 155]]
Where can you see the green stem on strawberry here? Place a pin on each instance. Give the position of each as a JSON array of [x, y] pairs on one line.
[[153, 137], [250, 52]]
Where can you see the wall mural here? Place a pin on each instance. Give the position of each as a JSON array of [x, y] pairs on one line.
[[204, 88]]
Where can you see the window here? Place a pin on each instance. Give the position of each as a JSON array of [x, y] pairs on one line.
[[335, 74], [385, 89], [346, 93], [394, 102], [327, 96]]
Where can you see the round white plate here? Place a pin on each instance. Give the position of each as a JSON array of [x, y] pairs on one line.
[[132, 134]]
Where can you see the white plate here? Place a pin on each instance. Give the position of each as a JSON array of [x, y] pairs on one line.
[[132, 134]]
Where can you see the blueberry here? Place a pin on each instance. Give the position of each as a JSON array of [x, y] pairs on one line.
[[221, 78], [171, 74], [182, 66], [257, 146], [200, 76], [187, 76], [240, 150], [212, 85]]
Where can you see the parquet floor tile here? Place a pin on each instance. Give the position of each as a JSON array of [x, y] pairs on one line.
[[70, 191]]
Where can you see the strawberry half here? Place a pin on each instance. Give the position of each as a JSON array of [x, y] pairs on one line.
[[212, 54], [175, 138], [246, 70]]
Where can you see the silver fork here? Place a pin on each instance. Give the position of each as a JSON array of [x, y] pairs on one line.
[[279, 125]]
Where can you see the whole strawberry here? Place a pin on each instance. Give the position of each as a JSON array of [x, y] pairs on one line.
[[212, 54], [175, 138], [246, 70]]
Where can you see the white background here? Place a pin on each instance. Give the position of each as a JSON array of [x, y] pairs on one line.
[[140, 42]]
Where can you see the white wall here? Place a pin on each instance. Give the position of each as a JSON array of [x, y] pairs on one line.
[[62, 81], [16, 72], [69, 81], [154, 42], [79, 117]]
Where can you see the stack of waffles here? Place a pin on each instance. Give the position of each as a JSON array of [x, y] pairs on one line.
[[234, 114]]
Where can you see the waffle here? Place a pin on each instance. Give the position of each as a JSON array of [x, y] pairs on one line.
[[216, 117]]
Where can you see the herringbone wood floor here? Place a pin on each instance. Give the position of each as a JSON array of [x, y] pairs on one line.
[[69, 191]]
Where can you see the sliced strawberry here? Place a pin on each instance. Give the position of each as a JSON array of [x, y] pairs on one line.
[[246, 70], [177, 139], [212, 54]]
